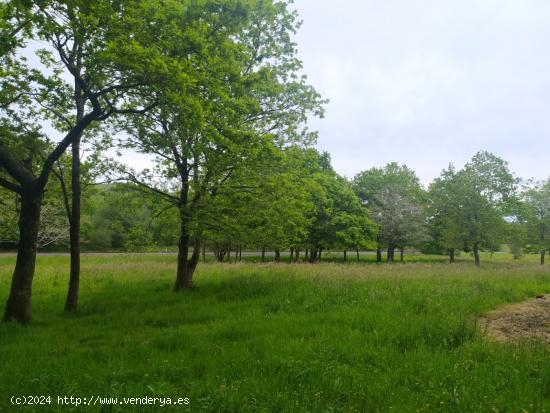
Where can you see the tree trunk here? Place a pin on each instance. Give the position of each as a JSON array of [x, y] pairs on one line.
[[203, 252], [182, 279], [291, 255], [277, 255], [452, 256], [389, 255], [476, 255], [240, 253], [219, 254], [18, 306], [345, 256], [319, 254], [542, 256], [183, 276], [358, 259], [263, 254], [297, 255], [378, 254], [192, 265], [71, 301], [401, 254], [312, 255], [307, 254], [74, 231]]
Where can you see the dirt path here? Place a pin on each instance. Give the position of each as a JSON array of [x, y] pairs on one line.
[[515, 322]]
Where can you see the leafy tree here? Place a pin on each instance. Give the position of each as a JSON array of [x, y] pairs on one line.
[[110, 51], [472, 203], [352, 226], [395, 198], [246, 100], [485, 189], [338, 220], [401, 222], [516, 237], [536, 217], [444, 222], [277, 214]]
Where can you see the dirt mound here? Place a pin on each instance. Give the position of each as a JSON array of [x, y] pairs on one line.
[[516, 322]]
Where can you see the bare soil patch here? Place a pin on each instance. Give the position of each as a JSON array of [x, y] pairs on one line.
[[516, 322]]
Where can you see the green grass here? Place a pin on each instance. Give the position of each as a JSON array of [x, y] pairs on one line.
[[277, 338]]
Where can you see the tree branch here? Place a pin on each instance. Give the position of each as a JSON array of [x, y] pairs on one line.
[[10, 185], [64, 144], [13, 167], [149, 188]]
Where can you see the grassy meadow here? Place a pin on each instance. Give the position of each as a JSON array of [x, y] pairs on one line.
[[330, 337]]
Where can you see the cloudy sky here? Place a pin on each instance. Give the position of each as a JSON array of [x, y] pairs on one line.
[[428, 82]]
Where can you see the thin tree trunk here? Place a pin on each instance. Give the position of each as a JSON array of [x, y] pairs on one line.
[[401, 254], [452, 256], [183, 281], [263, 254], [74, 279], [297, 255], [71, 301], [542, 256], [291, 255], [307, 255], [358, 259], [277, 255], [378, 254], [476, 255], [18, 306], [192, 265], [389, 254], [345, 256], [319, 254], [312, 255], [219, 253]]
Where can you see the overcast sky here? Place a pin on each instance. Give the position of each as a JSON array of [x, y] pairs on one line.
[[428, 82]]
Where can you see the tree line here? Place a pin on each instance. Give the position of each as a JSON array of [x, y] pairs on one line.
[[214, 94]]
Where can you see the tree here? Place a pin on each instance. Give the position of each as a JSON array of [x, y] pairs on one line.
[[337, 218], [246, 100], [73, 176], [352, 225], [472, 203], [516, 237], [276, 214], [443, 211], [395, 198], [109, 51], [536, 218], [401, 222]]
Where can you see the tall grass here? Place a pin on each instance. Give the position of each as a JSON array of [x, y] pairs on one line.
[[277, 338]]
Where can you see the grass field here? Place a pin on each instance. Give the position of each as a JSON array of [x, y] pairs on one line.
[[277, 338]]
